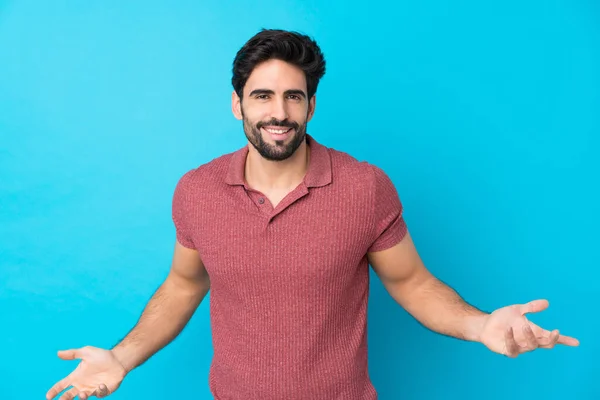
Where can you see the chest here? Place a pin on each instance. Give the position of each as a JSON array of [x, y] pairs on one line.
[[276, 196], [317, 239]]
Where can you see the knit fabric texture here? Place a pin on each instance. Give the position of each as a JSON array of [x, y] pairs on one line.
[[290, 284]]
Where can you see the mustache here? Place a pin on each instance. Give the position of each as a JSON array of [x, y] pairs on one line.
[[275, 122]]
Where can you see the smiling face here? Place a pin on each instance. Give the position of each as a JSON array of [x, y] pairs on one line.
[[275, 109]]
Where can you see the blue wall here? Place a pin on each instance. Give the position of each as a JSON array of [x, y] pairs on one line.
[[485, 116]]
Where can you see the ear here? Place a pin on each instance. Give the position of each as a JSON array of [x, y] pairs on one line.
[[236, 106], [311, 107]]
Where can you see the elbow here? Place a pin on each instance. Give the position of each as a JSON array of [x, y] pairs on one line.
[[409, 290], [194, 287]]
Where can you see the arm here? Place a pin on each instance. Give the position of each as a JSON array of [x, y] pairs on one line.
[[395, 260], [434, 304], [101, 371], [505, 331], [168, 311]]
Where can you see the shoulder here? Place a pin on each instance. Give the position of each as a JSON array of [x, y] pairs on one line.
[[348, 167], [366, 180], [208, 174]]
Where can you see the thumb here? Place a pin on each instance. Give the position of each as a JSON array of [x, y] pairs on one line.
[[534, 306], [71, 354]]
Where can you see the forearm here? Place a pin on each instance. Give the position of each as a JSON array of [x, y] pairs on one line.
[[439, 308], [163, 318]]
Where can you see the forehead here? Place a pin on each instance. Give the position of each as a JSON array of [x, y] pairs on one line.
[[276, 75]]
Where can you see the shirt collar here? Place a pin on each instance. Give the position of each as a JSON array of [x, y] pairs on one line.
[[319, 168]]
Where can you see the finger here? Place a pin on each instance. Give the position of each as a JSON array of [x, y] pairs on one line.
[[567, 340], [102, 391], [562, 339], [534, 306], [58, 387], [532, 341], [512, 348], [85, 395], [539, 332], [71, 354], [549, 341], [70, 394]]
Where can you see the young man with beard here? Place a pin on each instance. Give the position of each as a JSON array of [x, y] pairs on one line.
[[282, 232]]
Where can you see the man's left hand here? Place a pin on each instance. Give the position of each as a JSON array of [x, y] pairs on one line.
[[508, 331]]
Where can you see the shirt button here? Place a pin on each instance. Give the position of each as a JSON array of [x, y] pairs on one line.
[[261, 200]]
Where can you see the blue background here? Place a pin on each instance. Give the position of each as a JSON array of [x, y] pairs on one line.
[[486, 117]]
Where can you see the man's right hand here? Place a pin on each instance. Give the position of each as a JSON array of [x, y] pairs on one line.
[[98, 374]]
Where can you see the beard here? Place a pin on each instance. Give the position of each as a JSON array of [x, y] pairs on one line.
[[280, 150]]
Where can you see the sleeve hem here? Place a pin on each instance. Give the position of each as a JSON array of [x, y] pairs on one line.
[[390, 241], [185, 242]]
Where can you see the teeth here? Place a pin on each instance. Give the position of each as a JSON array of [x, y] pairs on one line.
[[277, 131]]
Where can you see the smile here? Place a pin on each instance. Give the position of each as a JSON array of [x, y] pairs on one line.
[[277, 131]]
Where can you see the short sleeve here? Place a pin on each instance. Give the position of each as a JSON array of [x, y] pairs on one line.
[[389, 226], [182, 198]]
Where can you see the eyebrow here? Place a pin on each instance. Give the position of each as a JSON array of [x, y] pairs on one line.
[[287, 92]]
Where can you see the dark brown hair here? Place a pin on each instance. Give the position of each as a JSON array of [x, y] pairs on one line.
[[292, 47]]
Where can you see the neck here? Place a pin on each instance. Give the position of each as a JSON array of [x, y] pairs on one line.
[[276, 175]]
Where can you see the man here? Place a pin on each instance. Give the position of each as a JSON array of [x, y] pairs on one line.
[[283, 232]]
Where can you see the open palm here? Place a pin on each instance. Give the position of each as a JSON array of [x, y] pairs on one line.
[[507, 331], [98, 374]]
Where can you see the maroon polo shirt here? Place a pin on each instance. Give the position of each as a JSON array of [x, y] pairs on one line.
[[290, 284]]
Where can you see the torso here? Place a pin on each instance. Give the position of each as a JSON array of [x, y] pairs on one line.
[[289, 280]]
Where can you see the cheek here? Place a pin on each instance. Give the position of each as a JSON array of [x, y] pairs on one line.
[[249, 118], [300, 113], [300, 117], [255, 115]]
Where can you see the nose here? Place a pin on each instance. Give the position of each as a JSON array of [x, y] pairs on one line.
[[279, 110]]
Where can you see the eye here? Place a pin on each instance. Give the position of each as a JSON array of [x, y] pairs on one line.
[[262, 96], [294, 97]]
